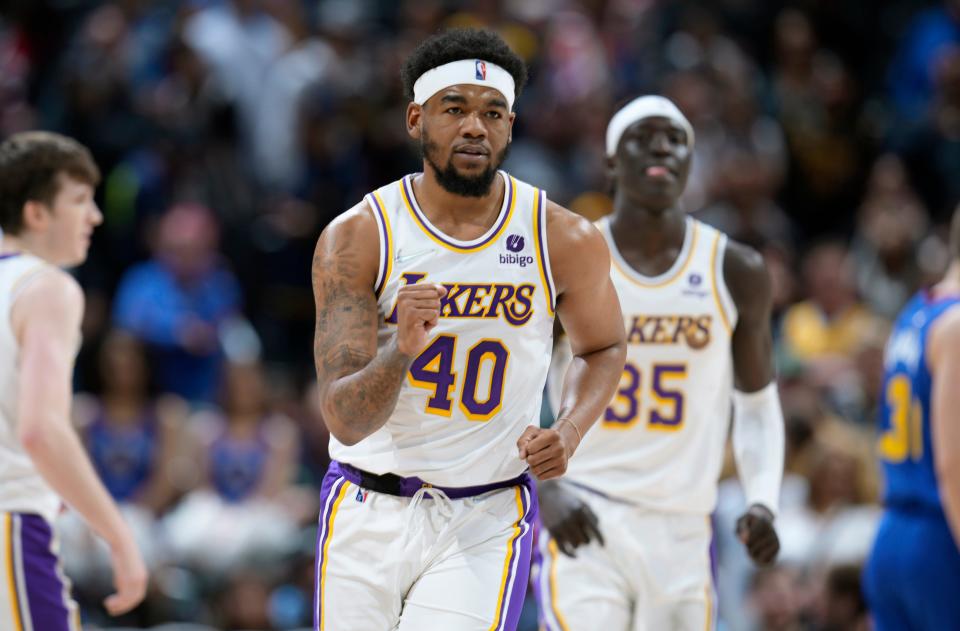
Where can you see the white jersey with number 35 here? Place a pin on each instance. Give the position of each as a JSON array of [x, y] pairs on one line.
[[479, 382], [660, 442]]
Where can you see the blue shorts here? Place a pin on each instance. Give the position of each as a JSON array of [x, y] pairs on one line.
[[912, 577]]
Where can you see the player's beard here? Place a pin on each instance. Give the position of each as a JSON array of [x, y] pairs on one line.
[[451, 180]]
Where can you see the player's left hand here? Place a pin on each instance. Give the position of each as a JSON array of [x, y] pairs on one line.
[[546, 451], [755, 529]]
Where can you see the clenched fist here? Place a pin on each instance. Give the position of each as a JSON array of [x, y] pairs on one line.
[[546, 451], [755, 529], [418, 310]]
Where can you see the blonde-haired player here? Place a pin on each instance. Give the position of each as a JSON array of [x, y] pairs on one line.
[[629, 533], [47, 214]]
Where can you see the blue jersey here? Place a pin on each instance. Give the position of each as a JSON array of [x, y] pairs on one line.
[[124, 456], [905, 446]]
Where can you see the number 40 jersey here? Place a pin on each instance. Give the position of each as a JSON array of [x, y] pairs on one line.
[[478, 384], [660, 443]]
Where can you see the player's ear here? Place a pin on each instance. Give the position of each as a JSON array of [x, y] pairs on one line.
[[611, 171], [35, 215], [414, 118]]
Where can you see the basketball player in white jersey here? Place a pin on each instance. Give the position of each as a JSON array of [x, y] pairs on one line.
[[435, 306], [631, 517], [47, 214]]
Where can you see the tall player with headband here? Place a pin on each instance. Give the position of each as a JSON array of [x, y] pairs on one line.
[[631, 517], [435, 299]]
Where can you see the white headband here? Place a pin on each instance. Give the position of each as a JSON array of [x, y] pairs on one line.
[[639, 109], [469, 71]]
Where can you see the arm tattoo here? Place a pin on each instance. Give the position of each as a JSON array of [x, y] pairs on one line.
[[358, 385]]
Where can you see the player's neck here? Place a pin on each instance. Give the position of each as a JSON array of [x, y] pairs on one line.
[[451, 212], [950, 283], [646, 230], [22, 244]]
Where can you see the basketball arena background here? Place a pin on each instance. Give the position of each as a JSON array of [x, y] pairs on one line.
[[230, 132]]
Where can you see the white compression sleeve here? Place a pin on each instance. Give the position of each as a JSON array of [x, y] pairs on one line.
[[758, 444]]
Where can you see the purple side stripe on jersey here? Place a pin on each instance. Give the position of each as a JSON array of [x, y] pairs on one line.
[[9, 255], [425, 224], [47, 590], [714, 561], [516, 585], [332, 482], [386, 243], [540, 204]]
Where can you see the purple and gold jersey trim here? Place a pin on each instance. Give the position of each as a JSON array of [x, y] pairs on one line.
[[410, 201], [673, 274], [543, 255], [383, 223], [716, 270]]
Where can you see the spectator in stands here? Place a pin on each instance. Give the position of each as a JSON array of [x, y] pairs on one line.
[[241, 512], [831, 325], [135, 440], [179, 302]]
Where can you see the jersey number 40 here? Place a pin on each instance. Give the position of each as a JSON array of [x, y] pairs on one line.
[[434, 369]]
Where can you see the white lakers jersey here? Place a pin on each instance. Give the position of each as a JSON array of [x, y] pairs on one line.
[[479, 381], [21, 487], [660, 442]]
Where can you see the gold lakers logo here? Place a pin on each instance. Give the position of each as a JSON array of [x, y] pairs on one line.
[[694, 331], [514, 303]]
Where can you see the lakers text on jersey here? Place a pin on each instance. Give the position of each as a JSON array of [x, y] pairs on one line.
[[660, 442], [477, 385]]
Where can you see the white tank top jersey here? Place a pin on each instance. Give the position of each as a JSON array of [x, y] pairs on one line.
[[660, 443], [478, 383], [22, 489]]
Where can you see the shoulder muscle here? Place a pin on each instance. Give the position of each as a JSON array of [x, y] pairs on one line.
[[578, 252], [747, 279], [348, 246], [52, 303], [943, 342]]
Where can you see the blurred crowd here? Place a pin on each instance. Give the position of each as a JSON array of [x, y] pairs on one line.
[[230, 132]]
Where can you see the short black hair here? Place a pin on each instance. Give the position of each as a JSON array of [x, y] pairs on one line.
[[462, 43], [30, 165]]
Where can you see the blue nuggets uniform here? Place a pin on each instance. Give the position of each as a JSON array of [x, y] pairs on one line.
[[912, 578]]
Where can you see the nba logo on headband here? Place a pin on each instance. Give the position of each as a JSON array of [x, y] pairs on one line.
[[481, 70]]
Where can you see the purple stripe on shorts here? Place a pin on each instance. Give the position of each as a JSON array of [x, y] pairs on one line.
[[45, 590], [522, 553], [328, 491]]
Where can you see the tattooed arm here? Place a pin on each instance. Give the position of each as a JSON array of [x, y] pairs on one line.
[[358, 386]]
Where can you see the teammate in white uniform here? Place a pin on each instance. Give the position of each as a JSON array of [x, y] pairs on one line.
[[631, 516], [47, 214], [435, 306]]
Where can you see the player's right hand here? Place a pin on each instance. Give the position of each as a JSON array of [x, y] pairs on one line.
[[418, 310], [129, 578], [568, 518]]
